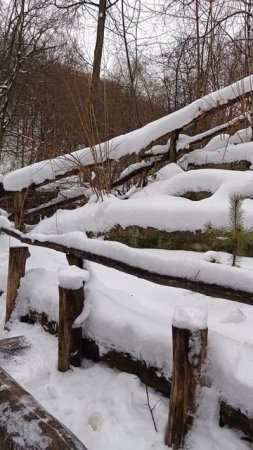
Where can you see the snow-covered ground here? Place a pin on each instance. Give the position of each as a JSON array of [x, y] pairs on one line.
[[106, 408]]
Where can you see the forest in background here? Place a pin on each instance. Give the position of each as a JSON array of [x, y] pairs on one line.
[[149, 59]]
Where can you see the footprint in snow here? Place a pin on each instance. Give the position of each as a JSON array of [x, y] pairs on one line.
[[95, 420]]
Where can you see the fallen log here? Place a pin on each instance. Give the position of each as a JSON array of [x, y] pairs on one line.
[[26, 425]]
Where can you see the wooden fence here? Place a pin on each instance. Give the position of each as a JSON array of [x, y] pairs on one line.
[[73, 346], [195, 285]]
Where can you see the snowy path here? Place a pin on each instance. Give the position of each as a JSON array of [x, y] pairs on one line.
[[107, 409]]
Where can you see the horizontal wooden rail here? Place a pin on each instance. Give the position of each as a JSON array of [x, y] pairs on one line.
[[210, 289]]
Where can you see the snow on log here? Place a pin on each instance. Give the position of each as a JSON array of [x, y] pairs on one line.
[[26, 425], [133, 142], [189, 336]]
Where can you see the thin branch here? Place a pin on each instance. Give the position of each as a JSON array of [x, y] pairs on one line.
[[151, 409]]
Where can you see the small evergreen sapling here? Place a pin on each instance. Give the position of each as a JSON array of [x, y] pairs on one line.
[[236, 235]]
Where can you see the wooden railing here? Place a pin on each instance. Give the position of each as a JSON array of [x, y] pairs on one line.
[[195, 285]]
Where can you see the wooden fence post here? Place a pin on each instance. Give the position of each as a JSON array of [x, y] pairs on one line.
[[74, 260], [16, 270], [71, 302], [189, 334]]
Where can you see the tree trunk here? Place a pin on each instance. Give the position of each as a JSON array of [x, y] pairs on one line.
[[98, 49]]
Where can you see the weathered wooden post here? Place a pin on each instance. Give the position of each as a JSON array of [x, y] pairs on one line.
[[189, 334], [71, 303], [16, 270]]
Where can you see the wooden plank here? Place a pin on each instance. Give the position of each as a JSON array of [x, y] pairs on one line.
[[26, 425]]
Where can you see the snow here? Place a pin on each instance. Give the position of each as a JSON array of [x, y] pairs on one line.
[[190, 318], [108, 409], [167, 172], [218, 154], [158, 150], [4, 222], [127, 144], [72, 277], [25, 433], [173, 266], [66, 194], [203, 271], [170, 211], [103, 407]]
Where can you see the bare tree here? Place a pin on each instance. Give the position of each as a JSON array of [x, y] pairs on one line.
[[26, 29]]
